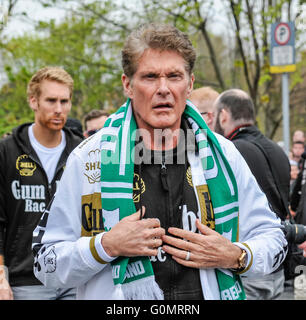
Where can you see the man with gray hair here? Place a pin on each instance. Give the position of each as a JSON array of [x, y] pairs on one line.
[[235, 119], [118, 229]]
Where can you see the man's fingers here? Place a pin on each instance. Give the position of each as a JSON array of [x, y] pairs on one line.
[[185, 234], [178, 243], [192, 236], [204, 229], [184, 262], [147, 223], [180, 256], [158, 232], [155, 243], [136, 216]]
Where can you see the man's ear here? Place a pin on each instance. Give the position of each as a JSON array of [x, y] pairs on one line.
[[190, 88], [127, 86], [225, 118], [33, 102]]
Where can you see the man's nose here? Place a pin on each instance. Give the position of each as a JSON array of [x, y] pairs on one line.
[[163, 88], [58, 108]]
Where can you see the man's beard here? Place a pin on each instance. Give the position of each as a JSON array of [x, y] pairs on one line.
[[218, 128], [46, 122]]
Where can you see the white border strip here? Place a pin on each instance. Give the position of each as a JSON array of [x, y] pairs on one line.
[[124, 140], [115, 195], [226, 218], [125, 185], [226, 207]]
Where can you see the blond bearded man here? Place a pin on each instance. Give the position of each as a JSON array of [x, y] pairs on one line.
[[32, 161]]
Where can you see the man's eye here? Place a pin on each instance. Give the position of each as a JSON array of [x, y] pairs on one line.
[[51, 100], [150, 76], [173, 76]]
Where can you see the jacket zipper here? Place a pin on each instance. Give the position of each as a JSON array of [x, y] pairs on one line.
[[169, 208]]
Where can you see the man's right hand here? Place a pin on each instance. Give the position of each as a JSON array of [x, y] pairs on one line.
[[133, 236], [5, 289], [303, 246]]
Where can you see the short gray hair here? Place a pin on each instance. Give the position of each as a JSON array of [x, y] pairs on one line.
[[239, 104], [156, 36]]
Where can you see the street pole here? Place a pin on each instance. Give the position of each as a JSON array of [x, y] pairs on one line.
[[285, 103]]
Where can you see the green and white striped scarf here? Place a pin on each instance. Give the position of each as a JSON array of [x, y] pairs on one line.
[[135, 274]]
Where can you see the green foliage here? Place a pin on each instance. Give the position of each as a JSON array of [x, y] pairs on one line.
[[87, 43], [79, 49]]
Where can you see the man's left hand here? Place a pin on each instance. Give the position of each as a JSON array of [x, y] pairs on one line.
[[207, 250]]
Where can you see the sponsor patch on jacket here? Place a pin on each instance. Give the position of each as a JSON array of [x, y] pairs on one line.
[[92, 223], [92, 168], [25, 166], [207, 213]]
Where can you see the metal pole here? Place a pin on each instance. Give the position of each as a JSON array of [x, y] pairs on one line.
[[285, 100]]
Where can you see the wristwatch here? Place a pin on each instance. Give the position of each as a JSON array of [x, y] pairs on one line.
[[242, 260]]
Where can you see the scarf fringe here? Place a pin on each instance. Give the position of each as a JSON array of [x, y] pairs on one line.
[[142, 289]]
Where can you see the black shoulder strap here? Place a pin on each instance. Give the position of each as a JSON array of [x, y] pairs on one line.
[[275, 177]]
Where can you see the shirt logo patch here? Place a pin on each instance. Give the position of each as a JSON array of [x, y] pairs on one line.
[[25, 166], [139, 187], [93, 167]]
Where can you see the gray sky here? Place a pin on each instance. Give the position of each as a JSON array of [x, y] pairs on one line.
[[18, 25]]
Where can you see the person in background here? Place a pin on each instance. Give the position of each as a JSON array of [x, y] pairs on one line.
[[94, 121], [294, 171], [297, 150], [298, 205], [298, 195], [204, 98], [298, 135], [32, 162], [235, 120]]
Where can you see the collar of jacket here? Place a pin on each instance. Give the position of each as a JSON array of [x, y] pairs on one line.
[[233, 133]]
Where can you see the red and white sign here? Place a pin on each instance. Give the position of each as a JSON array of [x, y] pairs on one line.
[[282, 34]]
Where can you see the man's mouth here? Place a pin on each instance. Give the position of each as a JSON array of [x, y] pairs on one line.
[[57, 121], [163, 106]]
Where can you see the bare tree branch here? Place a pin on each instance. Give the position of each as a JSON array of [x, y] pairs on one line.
[[9, 12], [256, 47], [210, 47], [105, 19], [234, 8]]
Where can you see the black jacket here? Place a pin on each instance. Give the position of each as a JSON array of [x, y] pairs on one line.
[[163, 184], [24, 194], [245, 139], [166, 192]]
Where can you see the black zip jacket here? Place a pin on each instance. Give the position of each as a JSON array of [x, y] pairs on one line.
[[244, 138], [164, 186], [24, 195]]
